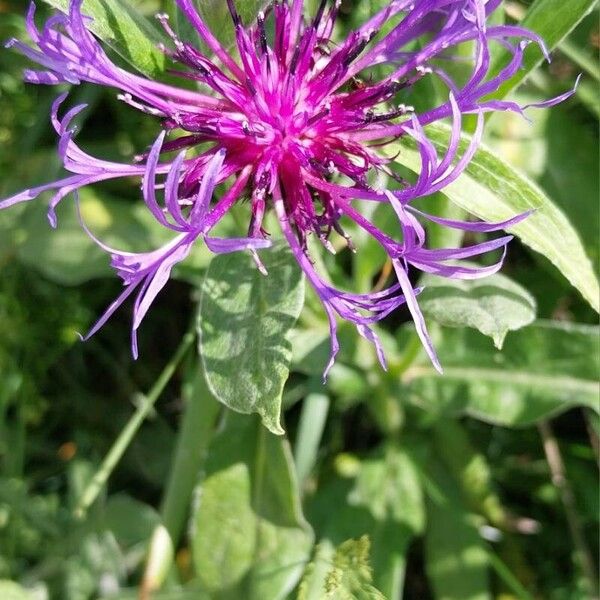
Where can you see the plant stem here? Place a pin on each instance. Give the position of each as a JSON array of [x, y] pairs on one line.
[[312, 423], [93, 488], [559, 479], [504, 573], [197, 426]]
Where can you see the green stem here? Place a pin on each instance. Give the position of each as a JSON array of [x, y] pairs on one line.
[[508, 578], [410, 353], [197, 426], [312, 423], [90, 493]]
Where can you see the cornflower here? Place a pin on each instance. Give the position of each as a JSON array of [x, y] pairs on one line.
[[294, 122]]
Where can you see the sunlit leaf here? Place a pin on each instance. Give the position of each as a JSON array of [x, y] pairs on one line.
[[244, 323], [9, 590], [128, 33], [388, 485], [248, 532], [494, 305], [542, 370]]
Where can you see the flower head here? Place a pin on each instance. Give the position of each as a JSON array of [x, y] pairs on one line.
[[296, 122]]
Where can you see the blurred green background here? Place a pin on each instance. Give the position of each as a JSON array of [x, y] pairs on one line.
[[461, 498]]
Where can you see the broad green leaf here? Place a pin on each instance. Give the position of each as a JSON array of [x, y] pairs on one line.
[[388, 485], [494, 191], [9, 590], [494, 305], [469, 468], [249, 537], [244, 323], [553, 20], [456, 558], [343, 574], [315, 409], [543, 370], [384, 501], [196, 428], [128, 33], [572, 173]]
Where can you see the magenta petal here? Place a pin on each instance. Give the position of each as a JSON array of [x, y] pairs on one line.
[[417, 315], [227, 245]]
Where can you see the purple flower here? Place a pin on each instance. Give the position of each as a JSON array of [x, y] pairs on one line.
[[295, 122]]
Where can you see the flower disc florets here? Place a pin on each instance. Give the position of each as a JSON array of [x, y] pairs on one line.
[[294, 121]]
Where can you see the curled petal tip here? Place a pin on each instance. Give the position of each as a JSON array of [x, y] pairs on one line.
[[52, 219]]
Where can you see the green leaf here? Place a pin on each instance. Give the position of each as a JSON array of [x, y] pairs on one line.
[[494, 191], [388, 485], [384, 502], [244, 323], [560, 151], [9, 590], [129, 520], [553, 20], [493, 306], [249, 537], [123, 29], [315, 409], [543, 370], [456, 558], [572, 172]]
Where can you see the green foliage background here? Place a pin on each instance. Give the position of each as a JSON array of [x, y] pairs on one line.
[[117, 476]]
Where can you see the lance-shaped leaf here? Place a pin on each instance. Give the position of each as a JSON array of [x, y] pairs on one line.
[[244, 324], [494, 191], [125, 30], [543, 370]]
